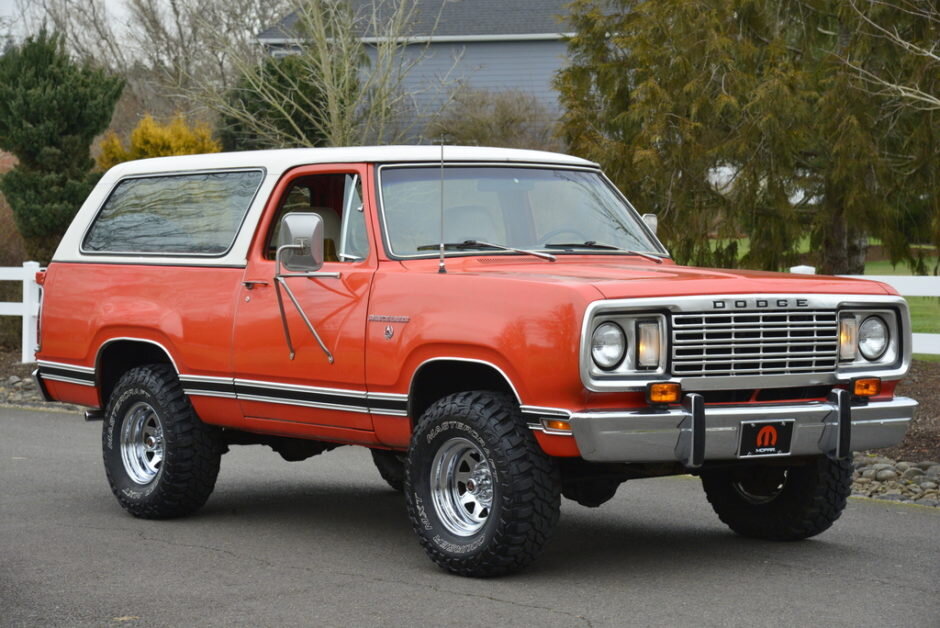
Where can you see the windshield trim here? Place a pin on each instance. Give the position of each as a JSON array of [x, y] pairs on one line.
[[386, 241]]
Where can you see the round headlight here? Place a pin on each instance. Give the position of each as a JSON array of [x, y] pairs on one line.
[[608, 346], [873, 337]]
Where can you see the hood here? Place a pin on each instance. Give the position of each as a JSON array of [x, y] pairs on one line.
[[624, 278]]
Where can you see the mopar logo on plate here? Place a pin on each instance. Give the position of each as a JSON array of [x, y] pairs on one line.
[[758, 304]]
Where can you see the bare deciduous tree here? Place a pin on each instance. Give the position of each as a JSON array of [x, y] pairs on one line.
[[165, 48], [894, 82], [195, 54], [357, 63]]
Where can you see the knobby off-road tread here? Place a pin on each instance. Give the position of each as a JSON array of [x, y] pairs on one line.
[[812, 499], [192, 449], [528, 491], [391, 467]]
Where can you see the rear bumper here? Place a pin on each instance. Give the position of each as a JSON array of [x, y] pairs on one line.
[[695, 433], [41, 385]]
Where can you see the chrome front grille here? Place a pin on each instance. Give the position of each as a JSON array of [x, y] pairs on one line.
[[778, 342]]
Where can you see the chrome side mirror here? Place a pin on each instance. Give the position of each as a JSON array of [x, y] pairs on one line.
[[652, 221], [300, 242]]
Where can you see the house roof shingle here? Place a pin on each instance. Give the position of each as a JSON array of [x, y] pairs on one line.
[[460, 18]]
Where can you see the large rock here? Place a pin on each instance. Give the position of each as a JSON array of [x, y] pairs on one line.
[[885, 475]]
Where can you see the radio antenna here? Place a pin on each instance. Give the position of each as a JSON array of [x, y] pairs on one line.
[[441, 268]]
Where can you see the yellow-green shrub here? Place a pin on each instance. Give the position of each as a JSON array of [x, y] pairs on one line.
[[152, 139]]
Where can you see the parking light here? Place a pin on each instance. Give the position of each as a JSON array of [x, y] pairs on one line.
[[867, 387], [556, 425], [663, 392], [848, 338], [648, 345]]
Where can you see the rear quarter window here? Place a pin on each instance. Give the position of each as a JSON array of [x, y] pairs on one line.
[[184, 214]]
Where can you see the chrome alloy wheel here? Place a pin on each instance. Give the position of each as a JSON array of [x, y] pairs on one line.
[[461, 486], [142, 446]]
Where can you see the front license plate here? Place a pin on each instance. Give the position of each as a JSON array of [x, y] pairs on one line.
[[765, 438]]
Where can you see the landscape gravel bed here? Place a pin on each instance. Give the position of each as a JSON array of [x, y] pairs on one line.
[[901, 481]]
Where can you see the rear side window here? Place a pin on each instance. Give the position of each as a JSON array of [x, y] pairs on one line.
[[189, 214]]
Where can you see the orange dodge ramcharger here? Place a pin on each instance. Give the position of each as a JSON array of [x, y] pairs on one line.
[[500, 328]]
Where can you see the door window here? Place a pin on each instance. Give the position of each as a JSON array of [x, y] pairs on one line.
[[337, 199]]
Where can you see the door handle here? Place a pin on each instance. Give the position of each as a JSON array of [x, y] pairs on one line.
[[250, 284]]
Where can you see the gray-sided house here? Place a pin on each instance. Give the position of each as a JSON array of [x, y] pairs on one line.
[[492, 45]]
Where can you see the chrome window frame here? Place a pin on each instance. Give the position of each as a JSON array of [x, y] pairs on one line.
[[175, 173]]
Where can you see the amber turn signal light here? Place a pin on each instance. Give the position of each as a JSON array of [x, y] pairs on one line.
[[668, 392], [556, 425], [868, 387]]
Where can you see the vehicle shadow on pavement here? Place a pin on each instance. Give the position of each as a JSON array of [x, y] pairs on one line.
[[604, 545], [597, 541]]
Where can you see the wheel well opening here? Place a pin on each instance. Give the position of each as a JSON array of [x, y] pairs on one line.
[[119, 357], [441, 378]]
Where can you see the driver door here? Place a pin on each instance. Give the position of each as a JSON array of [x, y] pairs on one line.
[[308, 388]]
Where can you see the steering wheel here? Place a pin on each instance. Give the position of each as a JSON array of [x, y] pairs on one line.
[[579, 237]]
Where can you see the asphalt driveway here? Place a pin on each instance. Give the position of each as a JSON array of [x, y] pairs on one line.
[[326, 543]]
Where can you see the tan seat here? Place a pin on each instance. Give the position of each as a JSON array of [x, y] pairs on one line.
[[332, 226]]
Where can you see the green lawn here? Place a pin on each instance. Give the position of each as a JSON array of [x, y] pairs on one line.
[[925, 314], [884, 267], [925, 311]]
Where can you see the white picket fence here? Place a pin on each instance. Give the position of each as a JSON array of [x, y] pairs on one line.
[[913, 287], [29, 308], [907, 286]]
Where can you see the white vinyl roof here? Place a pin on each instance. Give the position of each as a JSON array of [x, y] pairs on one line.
[[277, 161], [274, 163]]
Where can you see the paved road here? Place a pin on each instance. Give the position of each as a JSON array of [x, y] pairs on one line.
[[325, 543]]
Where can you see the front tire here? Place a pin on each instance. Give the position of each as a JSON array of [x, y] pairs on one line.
[[780, 503], [161, 460], [482, 496]]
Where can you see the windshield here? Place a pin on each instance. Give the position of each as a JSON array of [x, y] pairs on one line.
[[553, 209]]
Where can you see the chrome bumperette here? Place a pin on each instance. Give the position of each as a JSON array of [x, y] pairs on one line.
[[796, 337], [650, 435], [41, 386]]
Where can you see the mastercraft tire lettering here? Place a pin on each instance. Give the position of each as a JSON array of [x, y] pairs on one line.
[[481, 495], [160, 459]]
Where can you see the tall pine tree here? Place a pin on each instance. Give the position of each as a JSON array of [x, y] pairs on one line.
[[739, 118], [50, 111]]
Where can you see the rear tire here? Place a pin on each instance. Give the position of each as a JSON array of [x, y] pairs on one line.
[[780, 503], [160, 458], [391, 466], [482, 496]]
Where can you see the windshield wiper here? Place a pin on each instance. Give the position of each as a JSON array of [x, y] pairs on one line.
[[591, 244], [477, 244]]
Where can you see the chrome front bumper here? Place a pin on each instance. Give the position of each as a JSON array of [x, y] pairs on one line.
[[696, 433]]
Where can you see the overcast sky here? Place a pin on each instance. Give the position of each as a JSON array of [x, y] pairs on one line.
[[10, 9]]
